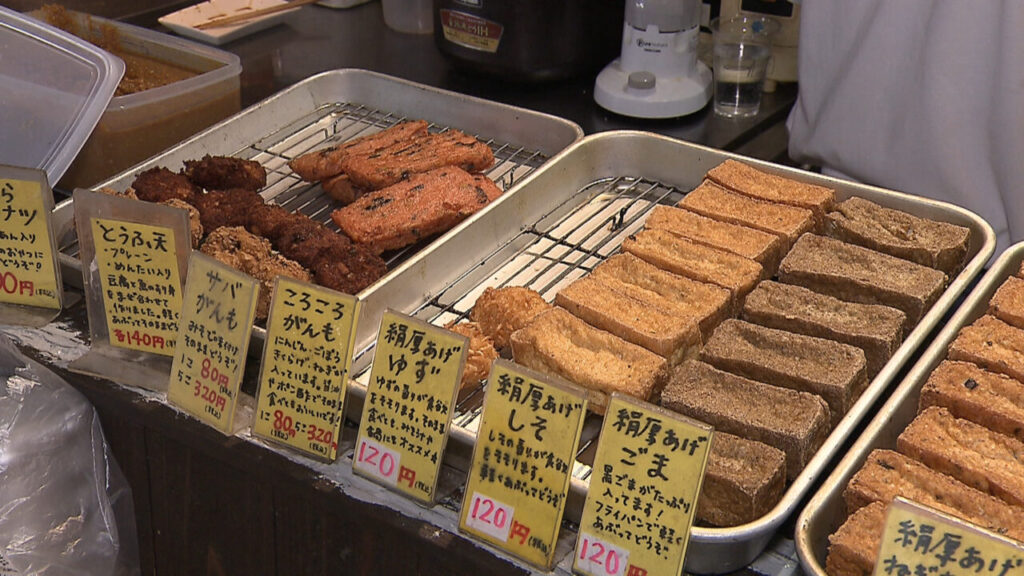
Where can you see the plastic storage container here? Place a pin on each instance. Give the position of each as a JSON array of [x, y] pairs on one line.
[[137, 126], [53, 90]]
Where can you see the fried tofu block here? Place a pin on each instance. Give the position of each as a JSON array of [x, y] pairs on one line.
[[743, 482], [834, 371], [326, 162], [983, 459], [857, 274], [705, 303], [795, 422], [939, 245], [875, 329], [992, 344], [556, 342], [968, 391], [1007, 303], [786, 222], [633, 314], [427, 203], [420, 154], [759, 246], [502, 311], [853, 549], [749, 181], [696, 261]]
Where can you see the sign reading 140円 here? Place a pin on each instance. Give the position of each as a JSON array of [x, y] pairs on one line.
[[306, 360], [523, 456], [643, 492], [920, 540], [213, 341], [407, 410], [29, 275]]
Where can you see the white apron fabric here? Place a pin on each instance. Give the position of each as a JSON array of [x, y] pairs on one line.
[[921, 96]]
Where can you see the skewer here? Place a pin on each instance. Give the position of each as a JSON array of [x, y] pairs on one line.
[[237, 18]]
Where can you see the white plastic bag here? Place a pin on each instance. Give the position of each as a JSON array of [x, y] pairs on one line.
[[65, 507]]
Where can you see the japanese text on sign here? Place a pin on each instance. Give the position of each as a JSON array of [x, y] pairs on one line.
[[141, 286], [643, 493], [918, 540], [408, 404], [28, 273], [305, 367], [213, 341], [521, 462]]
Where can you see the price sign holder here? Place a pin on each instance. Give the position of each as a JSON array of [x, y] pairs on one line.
[[920, 540], [522, 461], [306, 361], [213, 342], [642, 498], [134, 259], [31, 292], [407, 411]]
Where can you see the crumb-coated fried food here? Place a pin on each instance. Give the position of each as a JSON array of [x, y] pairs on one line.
[[973, 454], [749, 181], [226, 172], [786, 222], [875, 329], [1007, 303], [159, 184], [342, 189], [294, 233], [270, 220], [968, 391], [326, 162], [556, 342], [853, 549], [743, 481], [426, 204], [226, 207], [244, 251], [195, 225], [1020, 271], [857, 274], [349, 269], [127, 193], [792, 421], [992, 344], [834, 371], [502, 311], [479, 356], [939, 245], [707, 304], [420, 154]]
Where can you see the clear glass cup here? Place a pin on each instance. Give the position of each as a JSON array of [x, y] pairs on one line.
[[741, 49], [409, 16]]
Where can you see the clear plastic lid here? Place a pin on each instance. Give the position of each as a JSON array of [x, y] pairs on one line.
[[53, 89]]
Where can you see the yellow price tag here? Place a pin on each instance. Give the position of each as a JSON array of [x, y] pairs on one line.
[[213, 341], [642, 498], [920, 540], [415, 376], [28, 271], [306, 361], [525, 449], [140, 283]]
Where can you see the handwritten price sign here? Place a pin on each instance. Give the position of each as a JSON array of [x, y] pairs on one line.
[[600, 558], [29, 275]]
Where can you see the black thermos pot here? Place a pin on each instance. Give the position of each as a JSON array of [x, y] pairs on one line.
[[529, 40]]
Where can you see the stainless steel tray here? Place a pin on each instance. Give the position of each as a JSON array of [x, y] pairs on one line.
[[825, 512], [334, 107], [573, 213]]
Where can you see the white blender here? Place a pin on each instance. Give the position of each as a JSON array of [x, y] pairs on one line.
[[658, 74]]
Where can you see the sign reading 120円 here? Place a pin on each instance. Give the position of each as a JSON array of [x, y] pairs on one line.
[[643, 492], [522, 459], [306, 361], [407, 410]]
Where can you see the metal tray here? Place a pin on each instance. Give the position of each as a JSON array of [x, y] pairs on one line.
[[334, 107], [572, 214], [825, 512]]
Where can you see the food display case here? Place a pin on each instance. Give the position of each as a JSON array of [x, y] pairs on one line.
[[826, 510]]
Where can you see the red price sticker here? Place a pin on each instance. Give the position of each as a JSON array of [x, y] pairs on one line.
[[599, 558], [377, 460], [489, 516]]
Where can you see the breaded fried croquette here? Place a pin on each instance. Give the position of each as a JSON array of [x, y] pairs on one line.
[[159, 184], [226, 172], [502, 311], [479, 356]]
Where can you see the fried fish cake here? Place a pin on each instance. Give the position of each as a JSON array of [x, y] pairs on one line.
[[226, 172], [159, 184]]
